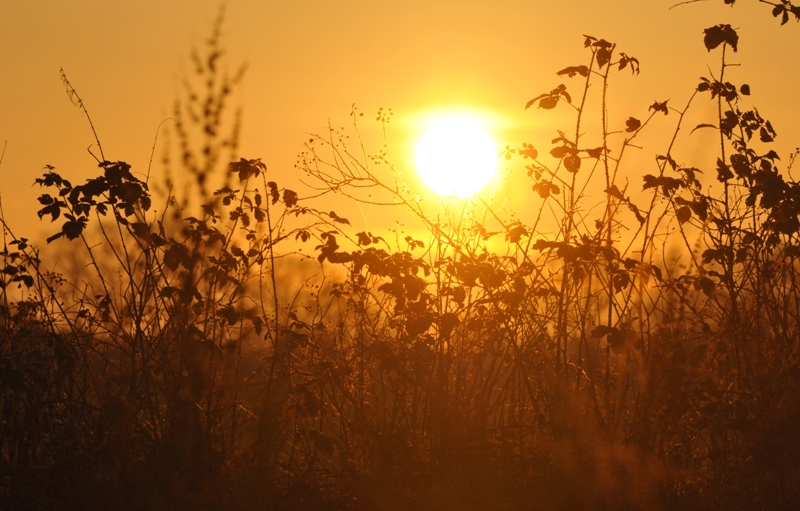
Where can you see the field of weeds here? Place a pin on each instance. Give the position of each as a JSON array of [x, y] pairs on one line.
[[490, 364]]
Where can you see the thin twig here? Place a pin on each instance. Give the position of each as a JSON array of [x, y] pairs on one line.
[[77, 101]]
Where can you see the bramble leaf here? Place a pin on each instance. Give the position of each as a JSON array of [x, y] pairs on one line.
[[632, 124], [337, 219], [247, 168], [273, 192], [614, 192], [659, 107], [704, 125], [561, 151], [714, 36], [546, 188], [705, 284], [594, 153], [363, 239], [603, 56], [684, 214], [723, 171], [229, 314], [572, 163], [289, 198], [73, 228], [528, 151], [624, 60], [573, 70]]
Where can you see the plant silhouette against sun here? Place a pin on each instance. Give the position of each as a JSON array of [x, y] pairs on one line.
[[573, 357]]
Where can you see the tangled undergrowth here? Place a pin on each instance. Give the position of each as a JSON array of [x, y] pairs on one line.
[[572, 368]]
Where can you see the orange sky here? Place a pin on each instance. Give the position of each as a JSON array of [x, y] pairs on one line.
[[310, 60]]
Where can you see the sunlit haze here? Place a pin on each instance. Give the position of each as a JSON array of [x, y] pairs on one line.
[[308, 62]]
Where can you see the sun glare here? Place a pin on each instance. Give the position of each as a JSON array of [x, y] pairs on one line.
[[456, 156]]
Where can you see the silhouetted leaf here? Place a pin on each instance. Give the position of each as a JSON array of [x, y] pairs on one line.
[[572, 163], [229, 314], [602, 43], [625, 60], [740, 165], [73, 228], [459, 295], [573, 70], [513, 234], [273, 192], [714, 36], [55, 237], [545, 188], [289, 198], [337, 219], [549, 102], [419, 325], [700, 208], [528, 151], [668, 184], [363, 239], [703, 126], [614, 192], [247, 168], [447, 323], [258, 324], [705, 284], [174, 256], [169, 292], [620, 280], [659, 107], [141, 230], [541, 244], [684, 214], [53, 209], [765, 135], [723, 171], [728, 123], [632, 124], [594, 153], [561, 151], [537, 98], [603, 56]]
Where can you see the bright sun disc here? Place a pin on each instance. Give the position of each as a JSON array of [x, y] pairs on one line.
[[456, 157]]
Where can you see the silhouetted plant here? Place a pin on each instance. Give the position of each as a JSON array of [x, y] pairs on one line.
[[200, 122], [566, 361]]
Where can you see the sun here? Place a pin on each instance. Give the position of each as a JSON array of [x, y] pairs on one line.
[[456, 156]]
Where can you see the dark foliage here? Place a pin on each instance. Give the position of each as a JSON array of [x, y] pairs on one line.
[[495, 364]]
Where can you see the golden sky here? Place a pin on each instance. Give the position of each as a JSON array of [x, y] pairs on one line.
[[309, 61]]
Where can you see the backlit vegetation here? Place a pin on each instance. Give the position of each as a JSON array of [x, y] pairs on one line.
[[641, 354]]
